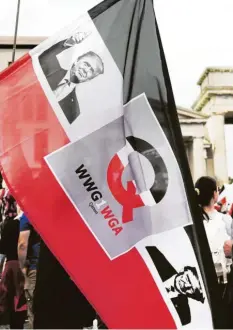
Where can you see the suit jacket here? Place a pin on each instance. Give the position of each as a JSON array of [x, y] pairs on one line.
[[54, 74], [166, 271]]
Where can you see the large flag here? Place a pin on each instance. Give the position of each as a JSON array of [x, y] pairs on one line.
[[90, 138]]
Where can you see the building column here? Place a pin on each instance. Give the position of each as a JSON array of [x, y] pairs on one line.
[[199, 162], [217, 135]]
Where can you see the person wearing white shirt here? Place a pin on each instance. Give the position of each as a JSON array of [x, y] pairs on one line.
[[218, 226]]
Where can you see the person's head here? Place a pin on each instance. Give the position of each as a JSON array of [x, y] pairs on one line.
[[187, 283], [86, 67], [207, 191]]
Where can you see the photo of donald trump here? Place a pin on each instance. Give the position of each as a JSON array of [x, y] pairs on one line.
[[63, 82]]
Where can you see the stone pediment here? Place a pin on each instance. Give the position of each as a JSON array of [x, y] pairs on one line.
[[187, 115]]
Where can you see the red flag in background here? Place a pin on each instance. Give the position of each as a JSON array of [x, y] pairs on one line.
[[90, 138]]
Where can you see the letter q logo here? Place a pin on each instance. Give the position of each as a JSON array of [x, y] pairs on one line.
[[131, 197]]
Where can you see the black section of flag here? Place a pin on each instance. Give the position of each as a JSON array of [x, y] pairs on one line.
[[130, 31]]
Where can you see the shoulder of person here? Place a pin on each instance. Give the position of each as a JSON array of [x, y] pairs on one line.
[[226, 218], [24, 223], [217, 216]]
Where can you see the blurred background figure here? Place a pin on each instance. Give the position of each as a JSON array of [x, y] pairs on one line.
[[2, 257], [12, 299], [225, 200], [28, 254], [218, 226]]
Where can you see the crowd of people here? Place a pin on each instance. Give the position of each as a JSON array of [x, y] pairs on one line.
[[35, 290], [218, 224], [20, 247]]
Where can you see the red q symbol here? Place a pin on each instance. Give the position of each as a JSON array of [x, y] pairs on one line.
[[127, 198]]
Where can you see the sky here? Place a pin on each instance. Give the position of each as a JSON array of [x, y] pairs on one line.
[[195, 33]]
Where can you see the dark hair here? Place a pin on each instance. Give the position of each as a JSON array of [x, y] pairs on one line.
[[100, 66], [205, 188], [100, 69], [197, 295]]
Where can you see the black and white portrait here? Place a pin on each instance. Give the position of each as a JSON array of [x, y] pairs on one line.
[[79, 78], [172, 263], [180, 285], [63, 82]]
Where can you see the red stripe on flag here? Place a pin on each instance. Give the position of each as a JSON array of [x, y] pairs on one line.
[[122, 291]]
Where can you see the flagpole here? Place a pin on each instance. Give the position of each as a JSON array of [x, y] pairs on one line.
[[16, 31]]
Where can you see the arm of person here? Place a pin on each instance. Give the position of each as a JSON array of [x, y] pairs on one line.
[[227, 219], [228, 248], [48, 59], [23, 247], [76, 38], [2, 250], [50, 64]]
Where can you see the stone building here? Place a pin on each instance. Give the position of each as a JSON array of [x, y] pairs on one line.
[[24, 44], [202, 126]]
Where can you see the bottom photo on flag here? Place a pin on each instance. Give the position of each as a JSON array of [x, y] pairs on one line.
[[171, 260]]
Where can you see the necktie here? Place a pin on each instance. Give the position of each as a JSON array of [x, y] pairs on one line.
[[61, 90]]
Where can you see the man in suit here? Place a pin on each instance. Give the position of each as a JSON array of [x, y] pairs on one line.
[[63, 82], [180, 286]]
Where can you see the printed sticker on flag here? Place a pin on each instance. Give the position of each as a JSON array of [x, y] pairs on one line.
[[122, 178], [71, 68]]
